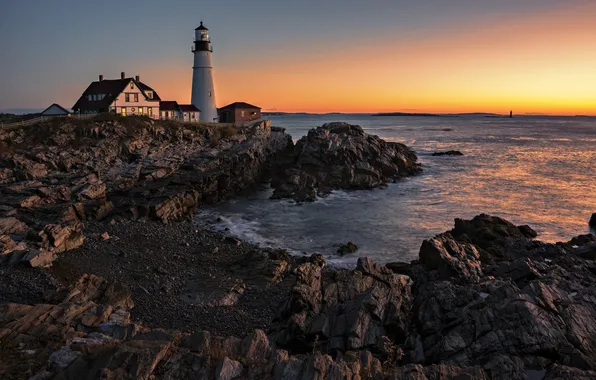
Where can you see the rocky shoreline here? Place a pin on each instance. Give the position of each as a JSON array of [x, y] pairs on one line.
[[99, 283]]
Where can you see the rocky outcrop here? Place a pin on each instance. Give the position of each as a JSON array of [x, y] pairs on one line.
[[86, 334], [347, 248], [487, 295], [592, 221], [341, 156], [57, 175], [351, 311]]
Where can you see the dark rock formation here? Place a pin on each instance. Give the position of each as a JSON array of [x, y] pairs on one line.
[[341, 156], [86, 334], [347, 248], [487, 295], [55, 176], [592, 221], [349, 312], [448, 153]]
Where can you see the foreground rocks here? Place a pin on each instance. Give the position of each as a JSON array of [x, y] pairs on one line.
[[484, 301], [592, 221], [341, 156], [56, 176]]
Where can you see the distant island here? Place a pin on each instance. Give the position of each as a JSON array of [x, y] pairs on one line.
[[407, 114]]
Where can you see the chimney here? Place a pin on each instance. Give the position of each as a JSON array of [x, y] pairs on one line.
[[100, 77], [122, 75], [138, 78]]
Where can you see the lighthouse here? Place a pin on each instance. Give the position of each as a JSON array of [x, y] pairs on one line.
[[203, 88]]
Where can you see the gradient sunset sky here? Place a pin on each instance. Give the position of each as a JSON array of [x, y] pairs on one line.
[[532, 56]]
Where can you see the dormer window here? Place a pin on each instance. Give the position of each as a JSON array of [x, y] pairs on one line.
[[149, 94], [90, 97]]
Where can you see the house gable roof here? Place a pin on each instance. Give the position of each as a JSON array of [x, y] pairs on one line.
[[168, 105], [239, 105], [111, 88], [58, 106], [188, 108]]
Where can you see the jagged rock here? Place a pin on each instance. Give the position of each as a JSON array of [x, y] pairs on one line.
[[11, 225], [448, 153], [347, 248], [149, 169], [522, 307], [451, 258], [352, 312], [492, 234], [592, 221], [64, 357], [228, 369], [341, 156]]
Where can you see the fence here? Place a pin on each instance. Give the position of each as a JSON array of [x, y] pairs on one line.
[[42, 119]]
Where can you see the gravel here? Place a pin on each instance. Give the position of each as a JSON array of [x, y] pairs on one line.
[[162, 264]]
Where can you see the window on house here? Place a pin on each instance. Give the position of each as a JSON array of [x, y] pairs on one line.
[[149, 111], [149, 94], [242, 113], [127, 97], [171, 113], [140, 110], [136, 96], [132, 85], [123, 111], [89, 97]]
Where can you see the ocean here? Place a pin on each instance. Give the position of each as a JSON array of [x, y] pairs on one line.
[[539, 171]]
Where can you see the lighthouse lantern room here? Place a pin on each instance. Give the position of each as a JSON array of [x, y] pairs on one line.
[[203, 88]]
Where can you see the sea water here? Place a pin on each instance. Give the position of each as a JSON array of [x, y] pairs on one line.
[[539, 171]]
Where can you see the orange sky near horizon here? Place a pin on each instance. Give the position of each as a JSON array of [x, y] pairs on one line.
[[545, 63]]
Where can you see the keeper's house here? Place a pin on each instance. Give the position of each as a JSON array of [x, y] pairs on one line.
[[127, 97]]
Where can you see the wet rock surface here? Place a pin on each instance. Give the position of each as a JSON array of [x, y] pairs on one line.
[[341, 156]]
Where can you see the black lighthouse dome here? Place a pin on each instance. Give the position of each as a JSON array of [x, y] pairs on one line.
[[201, 27]]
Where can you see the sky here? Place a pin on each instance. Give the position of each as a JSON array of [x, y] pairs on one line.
[[529, 56]]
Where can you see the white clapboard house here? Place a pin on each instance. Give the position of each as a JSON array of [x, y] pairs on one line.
[[130, 96]]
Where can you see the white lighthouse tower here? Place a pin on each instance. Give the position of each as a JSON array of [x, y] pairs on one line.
[[203, 88]]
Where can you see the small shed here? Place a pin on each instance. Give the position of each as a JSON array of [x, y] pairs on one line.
[[55, 110], [239, 112]]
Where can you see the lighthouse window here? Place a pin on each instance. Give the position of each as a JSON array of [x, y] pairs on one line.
[[209, 93]]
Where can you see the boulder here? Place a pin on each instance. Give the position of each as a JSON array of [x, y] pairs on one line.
[[347, 248], [451, 258], [341, 156]]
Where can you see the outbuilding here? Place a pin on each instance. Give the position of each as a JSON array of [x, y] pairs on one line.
[[55, 110], [239, 112]]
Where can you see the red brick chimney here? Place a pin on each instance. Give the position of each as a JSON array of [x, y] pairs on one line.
[[100, 77], [122, 75], [138, 78]]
